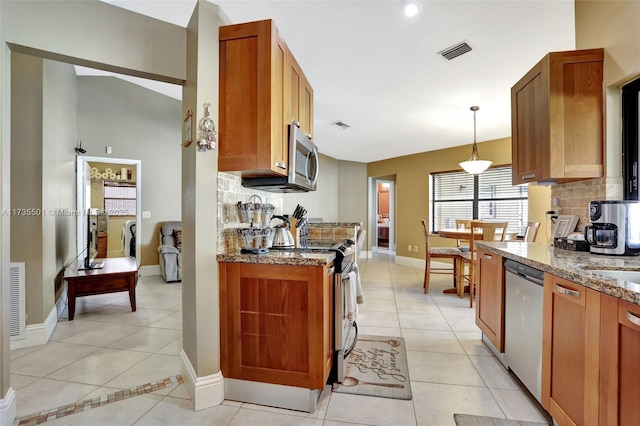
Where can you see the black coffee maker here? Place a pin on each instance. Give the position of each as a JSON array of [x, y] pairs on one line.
[[615, 227]]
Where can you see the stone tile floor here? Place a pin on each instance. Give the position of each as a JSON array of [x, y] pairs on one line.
[[90, 364]]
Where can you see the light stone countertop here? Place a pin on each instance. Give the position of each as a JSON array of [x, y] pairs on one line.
[[571, 266]]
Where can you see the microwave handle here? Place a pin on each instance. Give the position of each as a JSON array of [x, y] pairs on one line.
[[313, 153]]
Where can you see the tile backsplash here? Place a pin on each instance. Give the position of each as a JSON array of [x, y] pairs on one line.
[[230, 191], [574, 197]]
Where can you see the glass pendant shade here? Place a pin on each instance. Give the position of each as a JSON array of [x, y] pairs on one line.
[[474, 165]]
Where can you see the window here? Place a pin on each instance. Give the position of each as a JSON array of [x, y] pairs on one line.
[[488, 196], [120, 198]]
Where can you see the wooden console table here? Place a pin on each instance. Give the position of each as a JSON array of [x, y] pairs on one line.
[[118, 274]]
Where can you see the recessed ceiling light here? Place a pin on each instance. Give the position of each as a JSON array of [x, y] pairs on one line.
[[341, 125], [411, 8]]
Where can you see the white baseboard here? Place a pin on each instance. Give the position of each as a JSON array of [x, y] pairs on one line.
[[149, 270], [205, 391], [366, 255], [38, 334], [62, 302], [8, 408]]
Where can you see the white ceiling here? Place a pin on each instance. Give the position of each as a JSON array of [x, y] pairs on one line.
[[378, 70]]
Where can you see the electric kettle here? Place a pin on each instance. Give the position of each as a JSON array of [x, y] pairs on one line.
[[282, 237]]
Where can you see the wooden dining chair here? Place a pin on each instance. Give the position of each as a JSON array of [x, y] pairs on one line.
[[531, 231], [485, 231], [439, 253], [463, 224]]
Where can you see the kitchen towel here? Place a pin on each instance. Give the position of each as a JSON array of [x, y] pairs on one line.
[[350, 297], [359, 298]]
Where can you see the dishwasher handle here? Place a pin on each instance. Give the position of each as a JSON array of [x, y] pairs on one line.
[[527, 272]]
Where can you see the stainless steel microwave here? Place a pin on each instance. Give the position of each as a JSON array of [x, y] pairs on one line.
[[303, 167]]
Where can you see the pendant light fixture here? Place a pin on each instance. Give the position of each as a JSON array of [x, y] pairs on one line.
[[474, 165]]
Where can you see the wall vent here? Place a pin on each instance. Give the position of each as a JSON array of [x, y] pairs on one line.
[[17, 306], [456, 50]]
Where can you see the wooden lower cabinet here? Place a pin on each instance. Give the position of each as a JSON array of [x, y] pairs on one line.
[[490, 297], [570, 352], [276, 323], [619, 356], [102, 245]]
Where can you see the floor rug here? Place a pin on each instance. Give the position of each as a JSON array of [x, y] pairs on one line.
[[469, 420], [377, 366]]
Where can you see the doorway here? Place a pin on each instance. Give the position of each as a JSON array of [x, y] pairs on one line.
[[385, 216], [95, 178]]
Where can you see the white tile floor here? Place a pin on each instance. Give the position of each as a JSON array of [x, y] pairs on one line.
[[108, 348]]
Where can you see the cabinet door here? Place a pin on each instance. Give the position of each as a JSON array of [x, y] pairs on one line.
[[529, 125], [276, 323], [570, 345], [557, 119], [619, 373], [576, 114], [252, 134], [490, 297], [298, 95]]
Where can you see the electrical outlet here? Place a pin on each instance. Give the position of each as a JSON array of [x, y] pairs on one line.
[[107, 149], [409, 247], [146, 214], [415, 248]]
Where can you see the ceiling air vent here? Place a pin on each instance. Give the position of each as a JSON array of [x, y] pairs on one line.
[[341, 125], [456, 50]]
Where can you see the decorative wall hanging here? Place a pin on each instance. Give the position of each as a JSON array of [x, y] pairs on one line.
[[187, 130], [207, 139]]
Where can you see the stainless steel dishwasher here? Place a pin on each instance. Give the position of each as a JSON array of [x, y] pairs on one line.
[[523, 324]]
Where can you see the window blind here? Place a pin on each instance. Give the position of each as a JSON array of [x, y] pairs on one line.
[[120, 198], [488, 196]]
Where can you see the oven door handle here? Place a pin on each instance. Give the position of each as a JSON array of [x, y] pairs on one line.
[[355, 340]]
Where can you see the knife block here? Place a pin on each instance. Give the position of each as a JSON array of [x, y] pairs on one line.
[[301, 236]]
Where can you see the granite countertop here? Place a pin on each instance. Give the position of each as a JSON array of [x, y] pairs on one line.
[[280, 257], [573, 265]]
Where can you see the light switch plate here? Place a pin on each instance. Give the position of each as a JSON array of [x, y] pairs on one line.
[[146, 214]]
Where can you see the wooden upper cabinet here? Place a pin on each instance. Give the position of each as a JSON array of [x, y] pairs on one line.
[[252, 136], [298, 95], [557, 119], [262, 89]]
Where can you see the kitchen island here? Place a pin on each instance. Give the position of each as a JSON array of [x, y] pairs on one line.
[[276, 326], [590, 328]]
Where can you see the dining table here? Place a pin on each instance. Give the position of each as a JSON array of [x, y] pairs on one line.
[[458, 234]]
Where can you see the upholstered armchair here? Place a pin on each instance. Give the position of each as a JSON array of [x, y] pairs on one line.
[[170, 251]]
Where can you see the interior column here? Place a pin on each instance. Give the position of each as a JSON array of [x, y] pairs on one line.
[[200, 307]]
